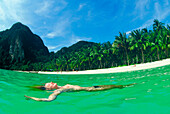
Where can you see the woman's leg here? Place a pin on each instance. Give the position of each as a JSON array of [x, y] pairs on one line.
[[105, 87]]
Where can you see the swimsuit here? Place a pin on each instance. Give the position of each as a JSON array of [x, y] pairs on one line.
[[96, 86]]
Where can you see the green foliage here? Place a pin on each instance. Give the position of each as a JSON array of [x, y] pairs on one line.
[[138, 47]]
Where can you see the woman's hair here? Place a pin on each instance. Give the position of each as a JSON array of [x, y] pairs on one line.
[[39, 87], [42, 88]]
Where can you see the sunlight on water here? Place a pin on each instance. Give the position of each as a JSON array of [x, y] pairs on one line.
[[150, 95]]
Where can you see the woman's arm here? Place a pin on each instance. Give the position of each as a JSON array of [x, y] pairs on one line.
[[50, 98]]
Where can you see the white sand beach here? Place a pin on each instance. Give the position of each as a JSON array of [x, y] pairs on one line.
[[117, 69]]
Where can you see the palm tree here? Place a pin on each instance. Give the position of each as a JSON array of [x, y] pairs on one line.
[[156, 43], [107, 53], [122, 42], [139, 41], [87, 57], [94, 57], [157, 36], [157, 26], [167, 39], [73, 62]]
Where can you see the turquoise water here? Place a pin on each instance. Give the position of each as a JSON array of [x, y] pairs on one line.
[[151, 94]]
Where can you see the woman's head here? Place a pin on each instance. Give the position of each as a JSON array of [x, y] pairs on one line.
[[51, 85]]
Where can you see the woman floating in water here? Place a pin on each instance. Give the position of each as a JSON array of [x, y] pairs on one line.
[[68, 87]]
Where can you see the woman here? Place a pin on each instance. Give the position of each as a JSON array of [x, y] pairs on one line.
[[68, 87]]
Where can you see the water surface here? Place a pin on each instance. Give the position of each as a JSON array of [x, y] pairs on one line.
[[151, 94]]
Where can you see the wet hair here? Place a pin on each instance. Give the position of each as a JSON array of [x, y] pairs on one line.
[[39, 87], [42, 88]]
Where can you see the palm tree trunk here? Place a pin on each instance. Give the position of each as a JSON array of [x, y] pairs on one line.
[[166, 51], [136, 58], [67, 68], [151, 58], [100, 64], [158, 54], [142, 56], [112, 64], [90, 66], [127, 57]]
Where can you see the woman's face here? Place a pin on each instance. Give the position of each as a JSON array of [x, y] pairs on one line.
[[51, 85]]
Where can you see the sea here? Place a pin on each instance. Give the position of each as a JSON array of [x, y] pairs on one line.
[[150, 94]]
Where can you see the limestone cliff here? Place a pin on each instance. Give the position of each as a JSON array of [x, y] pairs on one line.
[[19, 43]]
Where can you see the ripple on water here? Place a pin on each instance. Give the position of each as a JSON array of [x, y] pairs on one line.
[[6, 83], [152, 88], [130, 98], [3, 101], [149, 90]]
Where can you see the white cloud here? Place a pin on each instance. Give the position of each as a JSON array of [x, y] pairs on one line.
[[147, 24], [60, 5], [81, 6], [60, 28], [30, 13], [140, 8], [51, 35], [75, 39], [68, 42], [12, 11], [12, 8], [166, 2], [3, 27], [43, 8], [157, 8], [160, 13], [128, 32], [53, 47], [2, 16]]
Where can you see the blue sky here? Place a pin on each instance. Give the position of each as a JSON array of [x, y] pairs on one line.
[[64, 22]]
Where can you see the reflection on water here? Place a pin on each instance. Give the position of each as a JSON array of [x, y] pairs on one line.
[[151, 92]]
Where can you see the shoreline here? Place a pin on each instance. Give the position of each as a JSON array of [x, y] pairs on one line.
[[116, 69]]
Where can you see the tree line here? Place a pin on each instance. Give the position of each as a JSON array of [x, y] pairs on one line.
[[140, 46]]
